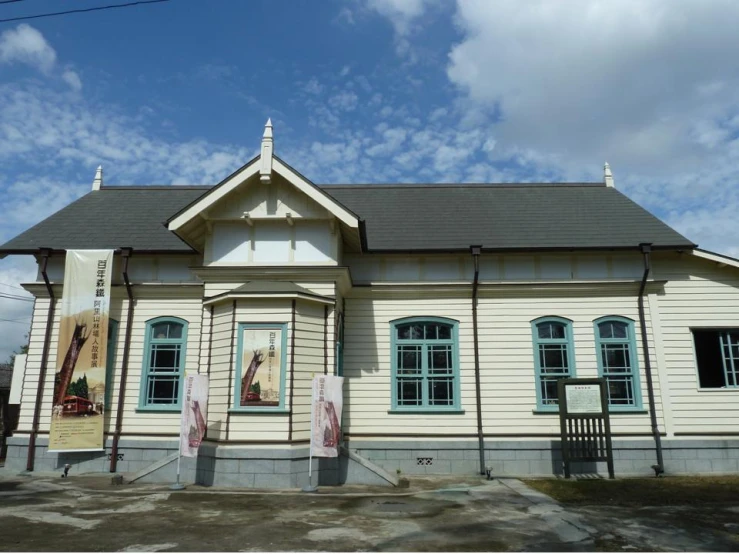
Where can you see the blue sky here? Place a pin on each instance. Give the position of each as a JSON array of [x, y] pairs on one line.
[[372, 91]]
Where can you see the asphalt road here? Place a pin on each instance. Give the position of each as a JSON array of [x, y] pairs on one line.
[[90, 514]]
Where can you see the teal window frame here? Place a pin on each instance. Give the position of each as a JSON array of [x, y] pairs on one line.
[[538, 344], [630, 342], [424, 344], [730, 361], [113, 327], [146, 372], [235, 407]]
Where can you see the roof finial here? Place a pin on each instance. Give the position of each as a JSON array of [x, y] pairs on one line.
[[607, 175], [98, 181], [265, 169]]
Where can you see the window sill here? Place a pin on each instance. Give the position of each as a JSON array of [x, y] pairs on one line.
[[160, 409], [610, 412], [719, 389], [426, 412], [276, 411]]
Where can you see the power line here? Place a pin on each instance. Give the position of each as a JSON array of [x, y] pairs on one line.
[[83, 10], [15, 321], [9, 285], [14, 297], [9, 1]]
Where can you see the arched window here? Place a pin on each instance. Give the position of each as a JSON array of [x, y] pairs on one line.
[[164, 363], [425, 363], [554, 358], [616, 351]]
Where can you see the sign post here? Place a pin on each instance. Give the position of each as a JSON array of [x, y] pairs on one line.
[[325, 429], [193, 422], [585, 426]]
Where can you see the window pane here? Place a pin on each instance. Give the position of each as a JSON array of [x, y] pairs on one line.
[[616, 358], [621, 391], [404, 332], [445, 332], [440, 359], [409, 359], [409, 392], [553, 358], [416, 331], [162, 390], [431, 331], [441, 392], [549, 391], [605, 330], [551, 330], [166, 330], [165, 357]]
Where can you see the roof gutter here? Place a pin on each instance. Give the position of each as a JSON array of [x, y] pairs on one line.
[[646, 248], [126, 254], [475, 251], [44, 253]]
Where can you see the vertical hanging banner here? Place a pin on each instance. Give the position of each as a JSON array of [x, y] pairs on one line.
[[79, 386], [194, 414], [326, 414]]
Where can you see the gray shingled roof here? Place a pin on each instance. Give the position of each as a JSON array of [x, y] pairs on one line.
[[112, 217], [511, 216], [396, 217]]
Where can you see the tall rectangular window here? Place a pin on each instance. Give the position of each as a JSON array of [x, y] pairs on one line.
[[425, 366], [616, 349], [553, 358], [164, 363]]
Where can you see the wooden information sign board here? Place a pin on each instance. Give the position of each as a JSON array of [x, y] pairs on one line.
[[584, 423]]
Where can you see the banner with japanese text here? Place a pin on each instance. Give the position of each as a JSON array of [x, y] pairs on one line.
[[79, 385], [326, 409], [194, 414]]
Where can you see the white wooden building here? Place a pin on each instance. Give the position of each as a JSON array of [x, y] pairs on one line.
[[451, 311]]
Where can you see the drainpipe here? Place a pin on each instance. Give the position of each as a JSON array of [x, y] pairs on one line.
[[126, 255], [646, 248], [44, 253], [475, 250]]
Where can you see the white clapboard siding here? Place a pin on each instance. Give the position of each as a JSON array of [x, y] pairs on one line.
[[507, 372], [698, 293], [245, 426], [187, 307]]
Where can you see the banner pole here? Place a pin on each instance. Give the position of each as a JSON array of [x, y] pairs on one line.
[[177, 486], [309, 487]]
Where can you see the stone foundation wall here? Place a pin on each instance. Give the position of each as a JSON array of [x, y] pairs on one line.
[[243, 466], [544, 458]]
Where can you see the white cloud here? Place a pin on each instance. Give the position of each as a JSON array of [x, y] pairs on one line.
[[344, 100], [72, 79], [13, 333], [313, 86], [24, 44], [400, 13]]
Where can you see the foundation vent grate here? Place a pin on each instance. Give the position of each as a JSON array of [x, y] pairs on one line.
[[424, 461]]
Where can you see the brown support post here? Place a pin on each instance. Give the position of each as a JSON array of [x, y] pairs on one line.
[[126, 254], [325, 340], [475, 250], [231, 367], [31, 458], [292, 374]]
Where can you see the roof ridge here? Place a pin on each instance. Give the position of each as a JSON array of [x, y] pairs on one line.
[[460, 185], [156, 187]]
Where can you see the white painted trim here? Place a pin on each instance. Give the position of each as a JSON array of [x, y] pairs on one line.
[[272, 295], [661, 362], [316, 195], [714, 257], [214, 195], [252, 169]]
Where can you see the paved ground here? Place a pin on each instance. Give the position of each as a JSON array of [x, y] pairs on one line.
[[89, 514]]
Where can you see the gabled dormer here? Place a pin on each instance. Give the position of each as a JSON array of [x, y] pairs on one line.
[[266, 213]]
